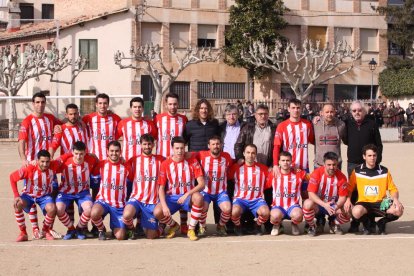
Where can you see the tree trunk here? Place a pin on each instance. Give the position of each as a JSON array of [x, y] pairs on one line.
[[158, 100], [250, 94], [11, 115]]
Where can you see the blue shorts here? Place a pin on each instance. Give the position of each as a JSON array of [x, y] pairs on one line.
[[251, 205], [148, 219], [41, 201], [55, 183], [172, 204], [217, 199], [304, 186], [79, 198], [115, 219], [322, 211], [286, 213]]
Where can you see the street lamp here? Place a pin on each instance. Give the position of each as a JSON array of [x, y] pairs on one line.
[[372, 65]]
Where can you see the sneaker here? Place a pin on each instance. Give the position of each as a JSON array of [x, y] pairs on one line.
[[202, 231], [258, 231], [71, 234], [365, 231], [172, 230], [101, 235], [55, 234], [295, 230], [306, 228], [184, 229], [238, 231], [139, 231], [320, 228], [312, 231], [88, 234], [22, 237], [130, 234], [37, 234], [381, 227], [221, 230], [80, 234], [49, 235], [191, 234], [94, 232], [335, 229], [276, 230]]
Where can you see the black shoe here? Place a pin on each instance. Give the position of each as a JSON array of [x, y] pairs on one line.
[[258, 231], [365, 231], [354, 228], [139, 232], [381, 227], [95, 232], [238, 231], [101, 235]]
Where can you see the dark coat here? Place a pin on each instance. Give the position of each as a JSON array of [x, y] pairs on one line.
[[197, 134]]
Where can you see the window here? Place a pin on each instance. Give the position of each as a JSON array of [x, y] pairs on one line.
[[45, 92], [221, 90], [317, 33], [207, 35], [180, 35], [394, 49], [354, 92], [150, 33], [147, 88], [26, 13], [87, 105], [344, 35], [48, 11], [88, 48], [182, 89], [369, 40], [292, 33], [318, 93]]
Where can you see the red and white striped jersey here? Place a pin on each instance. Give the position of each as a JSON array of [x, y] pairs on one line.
[[38, 133], [131, 131], [168, 128], [328, 188], [76, 177], [294, 137], [114, 182], [146, 171], [38, 183], [215, 171], [286, 188], [101, 131], [180, 175], [67, 137], [249, 181]]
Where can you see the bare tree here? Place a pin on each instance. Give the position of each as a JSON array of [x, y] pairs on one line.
[[309, 64], [163, 73], [15, 70]]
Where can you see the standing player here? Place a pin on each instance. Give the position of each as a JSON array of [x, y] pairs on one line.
[[132, 128], [215, 164], [37, 188], [77, 171], [144, 197], [71, 132], [328, 191], [112, 192], [286, 194], [171, 124], [35, 134], [249, 183], [181, 191]]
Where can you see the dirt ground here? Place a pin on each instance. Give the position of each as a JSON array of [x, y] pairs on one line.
[[321, 255]]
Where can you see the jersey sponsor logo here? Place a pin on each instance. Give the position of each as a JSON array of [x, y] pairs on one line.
[[45, 137], [146, 178], [215, 178], [132, 141], [330, 198], [112, 185], [370, 190], [103, 137], [250, 188], [298, 146], [182, 184], [285, 195]]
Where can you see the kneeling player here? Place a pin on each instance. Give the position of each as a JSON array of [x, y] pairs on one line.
[[77, 171], [249, 182], [37, 188], [181, 192], [144, 197], [215, 164], [372, 182], [286, 194], [328, 191], [112, 192]]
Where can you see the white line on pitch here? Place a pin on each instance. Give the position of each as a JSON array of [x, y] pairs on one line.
[[215, 241]]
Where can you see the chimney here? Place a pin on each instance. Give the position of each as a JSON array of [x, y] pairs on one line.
[[14, 17]]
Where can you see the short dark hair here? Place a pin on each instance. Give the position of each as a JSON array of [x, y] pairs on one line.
[[71, 106], [136, 100], [79, 145], [214, 137], [114, 143], [368, 147], [177, 140], [250, 145], [101, 96], [171, 95], [38, 95], [294, 102], [43, 153], [286, 154], [146, 137], [330, 156], [262, 106]]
